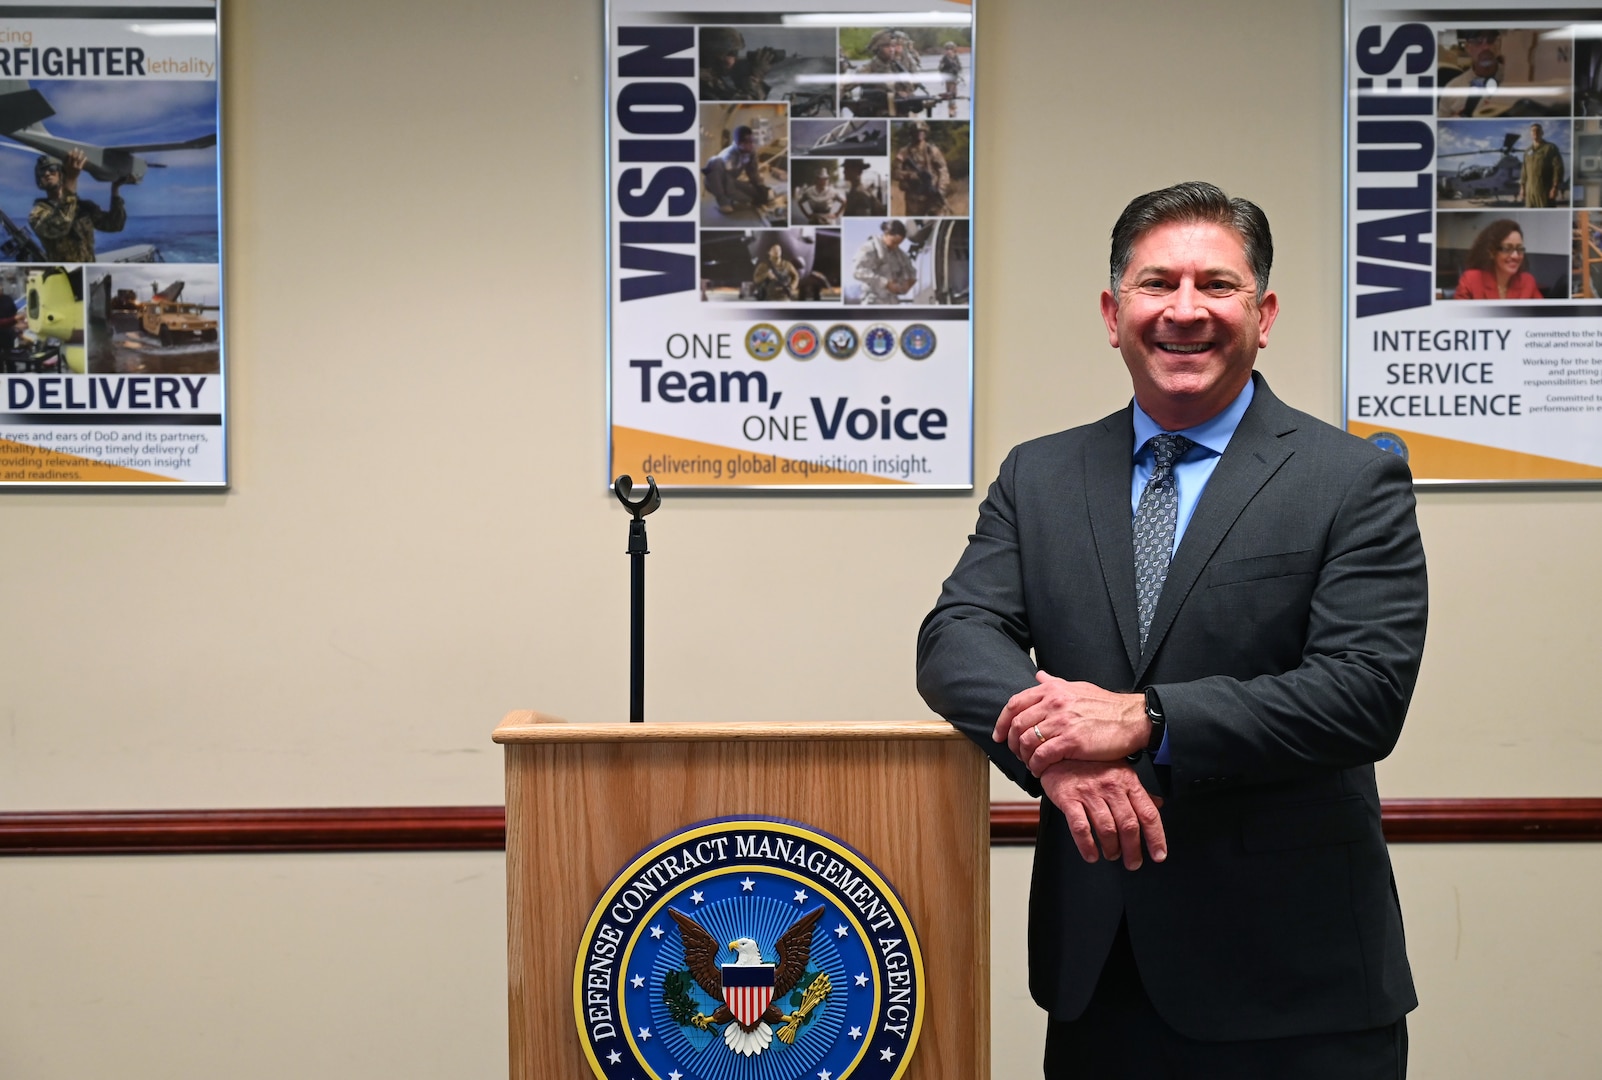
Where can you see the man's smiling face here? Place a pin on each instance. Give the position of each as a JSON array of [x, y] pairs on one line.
[[1187, 321]]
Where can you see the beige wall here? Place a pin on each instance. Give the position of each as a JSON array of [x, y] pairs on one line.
[[419, 539]]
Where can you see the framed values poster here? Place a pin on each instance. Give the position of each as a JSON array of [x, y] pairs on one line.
[[790, 221], [1473, 334], [110, 247]]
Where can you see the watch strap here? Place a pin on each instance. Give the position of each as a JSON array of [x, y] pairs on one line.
[[1159, 724]]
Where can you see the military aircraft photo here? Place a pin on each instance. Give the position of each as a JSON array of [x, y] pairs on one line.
[[1487, 160], [23, 111], [171, 212], [830, 138]]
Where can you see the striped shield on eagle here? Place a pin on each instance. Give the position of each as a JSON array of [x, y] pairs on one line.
[[747, 990], [748, 986]]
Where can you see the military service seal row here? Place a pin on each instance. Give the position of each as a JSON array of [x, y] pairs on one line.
[[764, 341]]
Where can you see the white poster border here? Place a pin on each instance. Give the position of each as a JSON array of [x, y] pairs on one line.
[[179, 442], [949, 412], [1559, 447]]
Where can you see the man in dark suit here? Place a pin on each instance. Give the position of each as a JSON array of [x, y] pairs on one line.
[[1225, 707]]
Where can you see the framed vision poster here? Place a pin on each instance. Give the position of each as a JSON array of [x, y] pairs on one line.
[[110, 247], [1473, 334], [790, 218]]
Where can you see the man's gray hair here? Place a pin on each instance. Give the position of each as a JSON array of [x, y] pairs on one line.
[[1194, 201]]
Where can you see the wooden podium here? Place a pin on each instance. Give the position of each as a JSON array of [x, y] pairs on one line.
[[583, 800]]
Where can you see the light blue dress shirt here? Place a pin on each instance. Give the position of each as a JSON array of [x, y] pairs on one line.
[[1191, 472]]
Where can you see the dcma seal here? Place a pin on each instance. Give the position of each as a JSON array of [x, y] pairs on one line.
[[749, 947]]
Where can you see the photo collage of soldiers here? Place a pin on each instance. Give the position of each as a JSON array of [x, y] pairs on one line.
[[835, 164], [109, 238], [1518, 164]]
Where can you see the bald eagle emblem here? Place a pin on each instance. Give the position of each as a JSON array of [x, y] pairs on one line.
[[747, 987]]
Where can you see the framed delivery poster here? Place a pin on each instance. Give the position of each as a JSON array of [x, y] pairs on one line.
[[110, 247], [1473, 334], [790, 210]]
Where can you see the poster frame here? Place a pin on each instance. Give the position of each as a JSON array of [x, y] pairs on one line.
[[1436, 14], [177, 11], [744, 14]]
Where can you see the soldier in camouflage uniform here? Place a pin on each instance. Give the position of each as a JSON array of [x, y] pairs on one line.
[[879, 98], [907, 53], [725, 74], [886, 272], [951, 69], [921, 174], [64, 223], [775, 277]]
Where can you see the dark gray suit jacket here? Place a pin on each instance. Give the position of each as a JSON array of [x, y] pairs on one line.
[[1284, 649]]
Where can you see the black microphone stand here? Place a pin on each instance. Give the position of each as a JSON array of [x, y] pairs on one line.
[[623, 487]]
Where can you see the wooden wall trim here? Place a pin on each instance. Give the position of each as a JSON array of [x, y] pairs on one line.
[[132, 832], [483, 828], [1410, 821]]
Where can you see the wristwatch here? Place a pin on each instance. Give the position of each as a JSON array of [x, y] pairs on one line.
[[1154, 713]]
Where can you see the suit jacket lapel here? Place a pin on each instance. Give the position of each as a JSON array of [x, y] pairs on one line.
[[1255, 453], [1108, 464]]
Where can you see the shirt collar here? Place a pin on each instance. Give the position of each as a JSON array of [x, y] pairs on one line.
[[1214, 434]]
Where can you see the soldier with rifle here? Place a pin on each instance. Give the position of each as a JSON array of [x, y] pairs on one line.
[[951, 69], [922, 176], [775, 277], [726, 75], [886, 95]]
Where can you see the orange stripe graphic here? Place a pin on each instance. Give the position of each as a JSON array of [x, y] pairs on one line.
[[1432, 457], [20, 462]]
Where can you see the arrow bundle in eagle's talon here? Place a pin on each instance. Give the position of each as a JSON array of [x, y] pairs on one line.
[[810, 1000]]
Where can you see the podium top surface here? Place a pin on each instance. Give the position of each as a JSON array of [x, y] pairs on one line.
[[528, 726]]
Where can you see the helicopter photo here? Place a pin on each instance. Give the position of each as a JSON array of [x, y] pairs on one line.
[[1489, 160]]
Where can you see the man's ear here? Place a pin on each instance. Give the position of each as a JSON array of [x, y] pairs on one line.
[[1267, 312], [1109, 315]]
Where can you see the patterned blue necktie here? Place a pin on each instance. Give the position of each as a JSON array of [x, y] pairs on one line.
[[1155, 520]]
